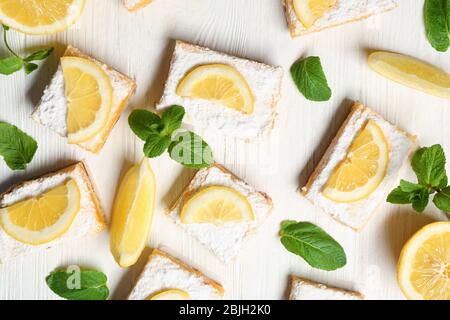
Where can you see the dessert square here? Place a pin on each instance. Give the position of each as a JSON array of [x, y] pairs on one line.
[[51, 111], [344, 11], [88, 220], [302, 289], [263, 81], [356, 213], [224, 241], [163, 273]]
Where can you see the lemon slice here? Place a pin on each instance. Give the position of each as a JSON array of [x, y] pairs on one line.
[[133, 213], [411, 72], [363, 168], [309, 11], [89, 97], [44, 218], [424, 265], [219, 83], [216, 205], [40, 16], [170, 294]]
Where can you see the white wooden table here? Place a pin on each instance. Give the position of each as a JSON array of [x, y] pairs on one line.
[[140, 45]]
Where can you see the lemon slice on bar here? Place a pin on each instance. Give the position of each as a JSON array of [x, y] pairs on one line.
[[170, 294], [89, 97], [219, 83], [363, 168], [411, 72], [216, 205], [309, 11], [40, 16], [43, 218], [133, 213], [424, 265]]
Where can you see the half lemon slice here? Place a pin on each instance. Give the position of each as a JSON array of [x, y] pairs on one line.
[[219, 83], [133, 213], [217, 205], [363, 168], [40, 16], [424, 265], [170, 294], [89, 97], [411, 72], [309, 11], [44, 218]]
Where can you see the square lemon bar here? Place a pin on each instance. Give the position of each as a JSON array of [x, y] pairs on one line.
[[302, 289]]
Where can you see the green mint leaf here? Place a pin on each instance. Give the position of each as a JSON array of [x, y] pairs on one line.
[[171, 119], [78, 284], [310, 79], [155, 145], [409, 187], [30, 67], [39, 55], [10, 64], [191, 150], [313, 244], [398, 196], [420, 200], [429, 165], [436, 26], [442, 200], [143, 123], [16, 147]]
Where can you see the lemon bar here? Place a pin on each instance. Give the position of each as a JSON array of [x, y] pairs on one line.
[[244, 101], [374, 151], [88, 219], [134, 5], [52, 109], [226, 239], [302, 289], [167, 278], [343, 11]]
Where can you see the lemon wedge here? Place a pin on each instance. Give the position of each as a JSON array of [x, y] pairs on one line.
[[89, 97], [217, 205], [170, 294], [411, 72], [424, 266], [363, 168], [309, 11], [219, 83], [44, 218], [40, 16], [133, 213]]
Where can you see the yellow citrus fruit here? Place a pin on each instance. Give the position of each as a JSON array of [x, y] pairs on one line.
[[170, 294], [309, 11], [363, 168], [424, 266]]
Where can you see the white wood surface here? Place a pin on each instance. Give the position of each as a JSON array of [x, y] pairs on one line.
[[140, 45]]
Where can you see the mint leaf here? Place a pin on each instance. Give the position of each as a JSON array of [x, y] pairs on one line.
[[442, 200], [420, 200], [313, 244], [143, 123], [78, 284], [156, 145], [171, 119], [10, 64], [409, 187], [436, 25], [39, 55], [310, 79], [398, 196], [429, 165], [16, 147], [191, 150], [30, 67]]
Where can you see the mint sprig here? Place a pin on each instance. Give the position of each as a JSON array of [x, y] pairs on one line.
[[164, 133], [310, 79], [16, 147], [429, 165], [14, 62], [437, 23], [313, 244]]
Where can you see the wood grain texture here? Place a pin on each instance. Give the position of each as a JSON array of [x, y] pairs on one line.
[[139, 44]]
